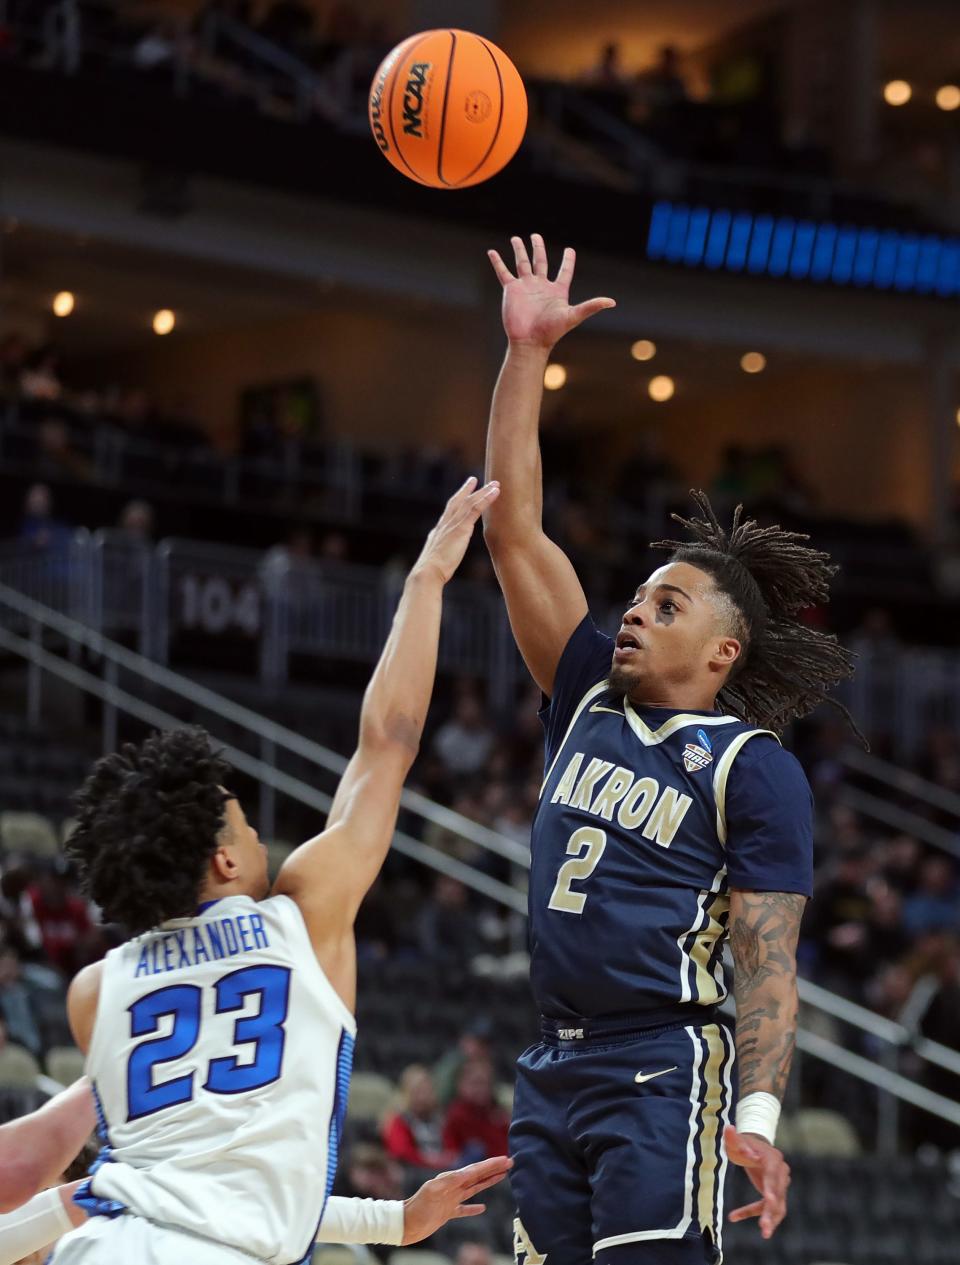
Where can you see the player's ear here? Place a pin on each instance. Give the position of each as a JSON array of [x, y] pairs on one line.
[[725, 654], [224, 863]]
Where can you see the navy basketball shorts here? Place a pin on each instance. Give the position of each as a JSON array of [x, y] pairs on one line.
[[616, 1142]]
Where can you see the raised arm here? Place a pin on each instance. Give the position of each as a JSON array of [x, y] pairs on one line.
[[764, 929], [545, 600], [329, 875]]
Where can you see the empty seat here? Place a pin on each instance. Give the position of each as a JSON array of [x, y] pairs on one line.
[[28, 832], [18, 1068], [371, 1097], [65, 1064], [417, 1256], [817, 1131]]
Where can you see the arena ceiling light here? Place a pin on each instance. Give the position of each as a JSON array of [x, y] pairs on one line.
[[163, 321], [661, 388], [63, 303], [554, 377], [948, 97], [897, 92], [753, 362], [643, 349]]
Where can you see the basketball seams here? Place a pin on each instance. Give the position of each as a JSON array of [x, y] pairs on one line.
[[443, 113], [496, 134], [393, 83]]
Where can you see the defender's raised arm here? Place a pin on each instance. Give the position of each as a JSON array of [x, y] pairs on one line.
[[544, 598]]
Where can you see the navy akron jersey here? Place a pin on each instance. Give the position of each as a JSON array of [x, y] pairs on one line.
[[647, 817]]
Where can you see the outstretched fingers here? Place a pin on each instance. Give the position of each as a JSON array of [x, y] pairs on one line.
[[539, 255], [583, 311], [504, 275], [567, 265], [521, 257], [468, 1210]]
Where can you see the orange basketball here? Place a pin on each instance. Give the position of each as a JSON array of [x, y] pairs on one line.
[[448, 108]]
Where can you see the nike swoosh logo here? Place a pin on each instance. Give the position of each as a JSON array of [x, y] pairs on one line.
[[641, 1078], [612, 710]]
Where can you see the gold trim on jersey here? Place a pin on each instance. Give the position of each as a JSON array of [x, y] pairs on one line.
[[710, 989], [653, 737], [711, 1136], [722, 772], [592, 692]]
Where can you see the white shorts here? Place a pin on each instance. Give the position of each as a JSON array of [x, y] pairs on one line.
[[135, 1241]]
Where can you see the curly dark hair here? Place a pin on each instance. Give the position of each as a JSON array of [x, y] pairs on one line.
[[148, 817], [768, 575]]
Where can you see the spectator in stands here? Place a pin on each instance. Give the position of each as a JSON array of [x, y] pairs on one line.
[[58, 458], [935, 905], [472, 1253], [447, 931], [901, 863], [13, 357], [465, 741], [38, 527], [40, 376], [474, 1043], [136, 522], [941, 1022], [662, 87], [607, 72], [414, 1134], [16, 1006], [476, 1125], [69, 937], [836, 918]]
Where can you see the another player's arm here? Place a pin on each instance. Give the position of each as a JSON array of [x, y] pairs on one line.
[[444, 1198], [35, 1149], [329, 875], [545, 600], [764, 929]]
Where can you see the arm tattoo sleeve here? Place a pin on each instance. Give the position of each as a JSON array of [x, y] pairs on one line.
[[764, 928]]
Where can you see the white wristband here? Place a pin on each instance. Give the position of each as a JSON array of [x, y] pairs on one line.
[[361, 1221], [759, 1113], [32, 1226]]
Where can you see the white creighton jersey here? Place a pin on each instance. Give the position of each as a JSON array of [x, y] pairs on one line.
[[221, 1060]]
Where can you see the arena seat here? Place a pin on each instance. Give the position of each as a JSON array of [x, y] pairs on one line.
[[339, 1254], [18, 1068], [817, 1131], [65, 1064], [371, 1097], [417, 1256], [277, 853], [28, 832]]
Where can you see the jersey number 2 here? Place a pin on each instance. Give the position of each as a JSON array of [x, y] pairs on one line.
[[583, 865], [182, 1003]]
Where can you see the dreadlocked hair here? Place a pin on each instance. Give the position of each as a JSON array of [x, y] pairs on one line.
[[768, 575], [147, 824]]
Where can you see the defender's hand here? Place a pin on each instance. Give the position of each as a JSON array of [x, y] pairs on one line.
[[444, 1198], [447, 543], [536, 310], [769, 1172]]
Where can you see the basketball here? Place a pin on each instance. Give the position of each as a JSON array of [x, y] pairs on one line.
[[448, 108]]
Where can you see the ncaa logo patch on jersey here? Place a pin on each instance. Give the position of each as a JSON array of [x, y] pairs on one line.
[[695, 757]]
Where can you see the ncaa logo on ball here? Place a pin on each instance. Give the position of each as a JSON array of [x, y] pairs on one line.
[[413, 99]]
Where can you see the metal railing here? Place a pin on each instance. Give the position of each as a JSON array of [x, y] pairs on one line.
[[234, 723]]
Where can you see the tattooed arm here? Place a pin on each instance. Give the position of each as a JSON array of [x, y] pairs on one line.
[[764, 928]]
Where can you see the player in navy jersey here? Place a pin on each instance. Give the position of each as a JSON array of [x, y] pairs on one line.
[[670, 820]]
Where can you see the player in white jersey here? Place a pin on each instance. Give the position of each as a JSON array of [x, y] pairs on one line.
[[219, 1039]]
